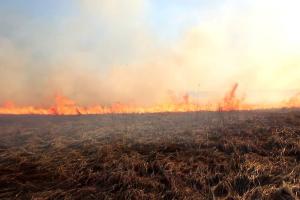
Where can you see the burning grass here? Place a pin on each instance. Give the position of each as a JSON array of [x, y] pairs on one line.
[[234, 155]]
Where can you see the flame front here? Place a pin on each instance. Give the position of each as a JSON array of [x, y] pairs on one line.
[[66, 106]]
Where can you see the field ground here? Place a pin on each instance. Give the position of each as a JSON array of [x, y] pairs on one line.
[[234, 155]]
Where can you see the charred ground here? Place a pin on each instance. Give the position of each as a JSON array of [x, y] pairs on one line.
[[232, 155]]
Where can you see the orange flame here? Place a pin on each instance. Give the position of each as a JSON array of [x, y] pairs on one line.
[[65, 106], [232, 102]]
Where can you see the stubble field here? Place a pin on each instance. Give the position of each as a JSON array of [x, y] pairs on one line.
[[205, 155]]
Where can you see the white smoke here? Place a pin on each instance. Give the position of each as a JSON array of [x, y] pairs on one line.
[[108, 53]]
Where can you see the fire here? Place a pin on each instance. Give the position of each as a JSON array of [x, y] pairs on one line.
[[65, 106], [232, 102]]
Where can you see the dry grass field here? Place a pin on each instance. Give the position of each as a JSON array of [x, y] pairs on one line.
[[206, 155]]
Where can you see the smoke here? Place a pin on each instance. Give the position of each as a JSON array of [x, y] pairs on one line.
[[108, 52]]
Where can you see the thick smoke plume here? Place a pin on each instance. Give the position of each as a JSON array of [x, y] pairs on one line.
[[108, 52]]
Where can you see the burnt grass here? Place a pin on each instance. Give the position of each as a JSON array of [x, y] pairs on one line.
[[234, 155]]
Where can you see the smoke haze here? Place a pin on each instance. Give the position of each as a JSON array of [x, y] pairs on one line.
[[108, 51]]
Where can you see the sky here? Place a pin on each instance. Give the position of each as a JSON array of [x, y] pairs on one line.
[[140, 51]]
